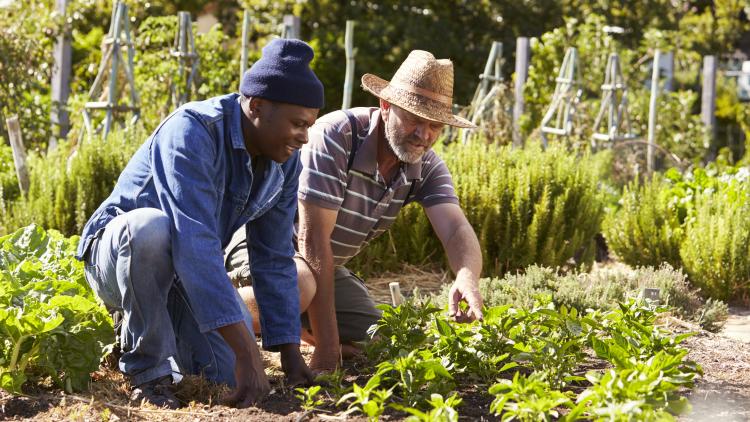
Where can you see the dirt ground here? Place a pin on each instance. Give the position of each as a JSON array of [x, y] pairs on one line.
[[722, 394]]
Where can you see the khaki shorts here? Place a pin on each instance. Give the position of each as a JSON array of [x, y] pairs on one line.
[[355, 308]]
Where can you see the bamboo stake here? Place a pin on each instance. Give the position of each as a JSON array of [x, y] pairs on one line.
[[349, 78]]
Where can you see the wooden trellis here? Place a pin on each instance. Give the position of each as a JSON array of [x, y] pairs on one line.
[[484, 104], [117, 38], [187, 56], [558, 120], [614, 105]]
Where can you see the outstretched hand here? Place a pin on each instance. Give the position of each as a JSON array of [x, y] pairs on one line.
[[465, 289]]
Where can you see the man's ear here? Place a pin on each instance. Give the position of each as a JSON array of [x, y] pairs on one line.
[[255, 107], [385, 109]]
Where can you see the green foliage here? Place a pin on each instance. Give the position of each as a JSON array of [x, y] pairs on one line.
[[309, 397], [697, 222], [66, 189], [387, 31], [527, 206], [157, 71], [527, 398], [716, 250], [8, 177], [26, 30], [369, 399], [50, 322], [600, 289], [441, 410], [647, 229], [417, 375], [547, 345]]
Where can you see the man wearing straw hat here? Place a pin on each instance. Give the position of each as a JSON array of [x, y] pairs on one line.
[[360, 167]]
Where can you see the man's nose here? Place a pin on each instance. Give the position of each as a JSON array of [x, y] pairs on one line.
[[422, 132]]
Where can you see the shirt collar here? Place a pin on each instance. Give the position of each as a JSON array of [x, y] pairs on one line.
[[235, 116], [366, 158]]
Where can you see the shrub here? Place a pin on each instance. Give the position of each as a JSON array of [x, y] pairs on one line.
[[716, 250], [646, 229], [600, 289], [527, 206], [66, 189], [698, 222]]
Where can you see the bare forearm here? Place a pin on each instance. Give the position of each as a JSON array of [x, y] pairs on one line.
[[322, 312], [464, 253]]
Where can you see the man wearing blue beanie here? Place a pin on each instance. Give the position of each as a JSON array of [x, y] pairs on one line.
[[154, 249]]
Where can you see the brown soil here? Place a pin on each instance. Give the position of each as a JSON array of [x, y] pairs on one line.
[[723, 393]]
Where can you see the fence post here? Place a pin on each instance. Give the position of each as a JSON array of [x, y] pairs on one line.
[[708, 97], [245, 36], [60, 82], [522, 71], [652, 113], [19, 153], [349, 78]]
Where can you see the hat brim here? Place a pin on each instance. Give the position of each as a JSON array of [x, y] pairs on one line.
[[413, 103]]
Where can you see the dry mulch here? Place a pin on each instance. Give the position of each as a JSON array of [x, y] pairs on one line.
[[722, 394]]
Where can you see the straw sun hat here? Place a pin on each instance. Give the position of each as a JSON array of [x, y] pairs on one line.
[[423, 86]]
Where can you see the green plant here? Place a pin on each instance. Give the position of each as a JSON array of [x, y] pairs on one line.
[[600, 289], [697, 221], [67, 186], [401, 328], [716, 251], [50, 322], [369, 399], [441, 410], [527, 398], [418, 375], [646, 230], [309, 397]]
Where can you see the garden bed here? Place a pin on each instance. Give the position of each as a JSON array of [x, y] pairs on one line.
[[723, 391]]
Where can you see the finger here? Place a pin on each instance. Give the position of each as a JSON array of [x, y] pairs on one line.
[[475, 309], [453, 307]]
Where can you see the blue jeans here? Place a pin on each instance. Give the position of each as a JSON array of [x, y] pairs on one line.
[[130, 268]]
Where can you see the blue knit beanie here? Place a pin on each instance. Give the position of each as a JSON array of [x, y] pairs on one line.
[[283, 74]]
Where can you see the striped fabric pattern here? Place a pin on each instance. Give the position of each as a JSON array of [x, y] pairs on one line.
[[367, 206]]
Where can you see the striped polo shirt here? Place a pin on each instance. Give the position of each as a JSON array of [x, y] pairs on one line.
[[367, 206]]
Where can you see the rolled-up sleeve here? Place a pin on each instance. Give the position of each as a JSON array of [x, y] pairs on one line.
[[185, 170], [271, 250]]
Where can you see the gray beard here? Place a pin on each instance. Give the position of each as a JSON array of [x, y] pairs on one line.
[[401, 153]]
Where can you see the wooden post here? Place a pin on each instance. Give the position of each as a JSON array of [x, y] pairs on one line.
[[708, 97], [396, 297], [492, 62], [121, 9], [652, 113], [522, 71], [19, 153], [292, 26], [60, 82], [245, 37], [349, 78]]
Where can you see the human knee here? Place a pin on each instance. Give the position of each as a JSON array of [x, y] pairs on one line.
[[150, 231], [306, 282]]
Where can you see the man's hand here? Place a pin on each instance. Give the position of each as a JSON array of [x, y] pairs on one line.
[[465, 289], [250, 378], [293, 365]]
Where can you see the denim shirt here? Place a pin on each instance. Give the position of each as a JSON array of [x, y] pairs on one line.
[[196, 169]]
